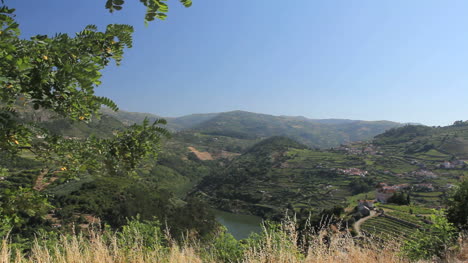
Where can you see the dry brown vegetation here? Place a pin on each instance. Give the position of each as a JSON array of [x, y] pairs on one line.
[[98, 251], [271, 246], [204, 156]]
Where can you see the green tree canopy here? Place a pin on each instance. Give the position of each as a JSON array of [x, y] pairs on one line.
[[59, 74], [155, 9], [457, 211]]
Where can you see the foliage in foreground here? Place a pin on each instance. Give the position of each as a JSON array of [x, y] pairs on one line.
[[457, 212], [56, 76], [435, 241], [150, 241]]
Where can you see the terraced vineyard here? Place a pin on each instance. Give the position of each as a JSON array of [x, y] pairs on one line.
[[388, 228], [278, 175], [406, 217], [407, 209]]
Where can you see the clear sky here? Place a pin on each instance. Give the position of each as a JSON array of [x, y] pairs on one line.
[[396, 60]]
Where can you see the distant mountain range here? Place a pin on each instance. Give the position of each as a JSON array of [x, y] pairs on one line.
[[321, 133]]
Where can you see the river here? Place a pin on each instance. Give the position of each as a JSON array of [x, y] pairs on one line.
[[240, 226]]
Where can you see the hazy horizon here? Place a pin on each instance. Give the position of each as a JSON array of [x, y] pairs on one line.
[[277, 115], [403, 61]]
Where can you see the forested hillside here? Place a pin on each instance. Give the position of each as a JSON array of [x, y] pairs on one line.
[[315, 133], [244, 125]]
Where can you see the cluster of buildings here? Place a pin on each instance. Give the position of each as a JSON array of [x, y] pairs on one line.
[[385, 191], [424, 173], [453, 164], [423, 187], [420, 164], [371, 150], [352, 171]]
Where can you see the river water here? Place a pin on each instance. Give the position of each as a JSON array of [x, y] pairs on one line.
[[240, 226]]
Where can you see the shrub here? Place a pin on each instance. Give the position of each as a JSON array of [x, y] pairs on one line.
[[457, 211], [225, 248], [145, 234], [433, 242]]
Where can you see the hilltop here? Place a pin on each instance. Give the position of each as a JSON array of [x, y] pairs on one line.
[[254, 126], [316, 133], [450, 140]]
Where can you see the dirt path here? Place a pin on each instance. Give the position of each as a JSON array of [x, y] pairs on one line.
[[41, 182], [357, 225]]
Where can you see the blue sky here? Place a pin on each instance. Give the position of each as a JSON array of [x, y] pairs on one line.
[[396, 60]]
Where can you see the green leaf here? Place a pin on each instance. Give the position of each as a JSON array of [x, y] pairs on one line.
[[186, 3], [109, 4]]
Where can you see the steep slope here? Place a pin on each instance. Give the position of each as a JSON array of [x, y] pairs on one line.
[[242, 185], [267, 180], [412, 139], [279, 174]]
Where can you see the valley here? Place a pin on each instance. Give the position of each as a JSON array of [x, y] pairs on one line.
[[300, 132], [266, 166]]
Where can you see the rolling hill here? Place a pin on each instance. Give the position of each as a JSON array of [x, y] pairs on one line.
[[314, 133], [450, 140], [266, 165], [254, 126], [279, 174]]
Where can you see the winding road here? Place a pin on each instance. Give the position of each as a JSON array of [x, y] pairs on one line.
[[357, 225]]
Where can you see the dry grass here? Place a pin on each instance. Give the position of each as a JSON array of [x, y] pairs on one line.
[[461, 254], [328, 246], [340, 249], [80, 250], [83, 250], [270, 247]]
